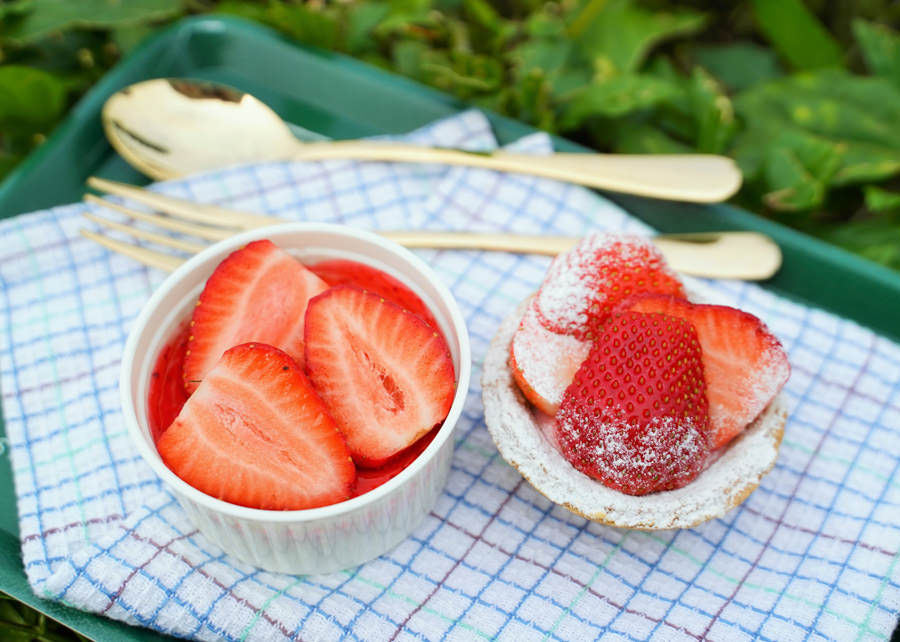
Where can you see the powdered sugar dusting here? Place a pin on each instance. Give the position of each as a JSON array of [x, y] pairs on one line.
[[519, 432], [581, 279], [664, 453], [547, 360]]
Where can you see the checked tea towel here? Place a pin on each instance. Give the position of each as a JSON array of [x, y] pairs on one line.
[[812, 554]]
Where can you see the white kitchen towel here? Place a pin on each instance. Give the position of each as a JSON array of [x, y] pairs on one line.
[[812, 554]]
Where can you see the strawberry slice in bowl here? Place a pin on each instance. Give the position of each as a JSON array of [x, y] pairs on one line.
[[343, 272], [254, 433], [385, 374], [258, 293]]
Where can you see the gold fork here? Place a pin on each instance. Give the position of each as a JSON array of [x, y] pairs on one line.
[[733, 255]]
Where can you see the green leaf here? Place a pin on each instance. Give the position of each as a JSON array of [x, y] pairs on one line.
[[645, 138], [544, 23], [876, 238], [532, 101], [15, 8], [713, 113], [858, 113], [481, 12], [464, 73], [880, 47], [616, 97], [798, 168], [243, 9], [307, 25], [54, 16], [30, 99], [546, 54], [739, 65], [622, 34], [407, 56], [130, 36], [10, 611], [361, 23], [797, 35], [879, 199], [404, 17]]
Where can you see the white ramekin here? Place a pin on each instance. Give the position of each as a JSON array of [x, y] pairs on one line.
[[317, 540]]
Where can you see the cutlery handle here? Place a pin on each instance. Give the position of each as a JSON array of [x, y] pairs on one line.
[[701, 178], [724, 255]]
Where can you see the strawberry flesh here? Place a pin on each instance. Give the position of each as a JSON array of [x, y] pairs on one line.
[[255, 433], [386, 376], [258, 293], [635, 416], [743, 362], [344, 272], [584, 284], [542, 362]]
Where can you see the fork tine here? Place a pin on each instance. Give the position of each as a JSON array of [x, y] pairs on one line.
[[159, 260], [176, 225], [160, 239], [198, 212]]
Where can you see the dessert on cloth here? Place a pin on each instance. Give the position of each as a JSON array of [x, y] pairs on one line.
[[811, 553]]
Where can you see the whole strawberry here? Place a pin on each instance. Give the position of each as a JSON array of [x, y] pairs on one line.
[[636, 416]]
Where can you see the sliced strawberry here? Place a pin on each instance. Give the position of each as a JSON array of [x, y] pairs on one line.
[[342, 271], [744, 364], [255, 433], [585, 283], [385, 375], [258, 293], [542, 362], [635, 417]]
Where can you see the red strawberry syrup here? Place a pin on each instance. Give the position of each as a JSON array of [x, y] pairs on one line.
[[167, 394], [342, 271]]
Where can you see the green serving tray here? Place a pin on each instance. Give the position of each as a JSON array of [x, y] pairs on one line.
[[343, 98]]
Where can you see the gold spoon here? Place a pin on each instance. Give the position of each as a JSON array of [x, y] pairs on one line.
[[171, 128]]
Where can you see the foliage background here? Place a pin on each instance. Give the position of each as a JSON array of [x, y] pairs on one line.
[[805, 95]]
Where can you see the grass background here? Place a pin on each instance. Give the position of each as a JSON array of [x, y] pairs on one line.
[[804, 94]]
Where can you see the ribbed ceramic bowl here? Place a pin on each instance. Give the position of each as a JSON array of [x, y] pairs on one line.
[[317, 540]]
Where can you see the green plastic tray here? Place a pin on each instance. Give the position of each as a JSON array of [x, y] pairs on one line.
[[342, 98]]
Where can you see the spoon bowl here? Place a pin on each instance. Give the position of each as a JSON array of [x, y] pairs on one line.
[[169, 128], [172, 128]]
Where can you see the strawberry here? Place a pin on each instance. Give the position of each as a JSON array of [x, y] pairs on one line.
[[258, 293], [585, 283], [255, 433], [341, 271], [581, 288], [635, 416], [744, 364], [385, 375], [543, 362]]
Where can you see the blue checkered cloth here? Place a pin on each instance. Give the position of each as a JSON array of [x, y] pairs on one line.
[[812, 554]]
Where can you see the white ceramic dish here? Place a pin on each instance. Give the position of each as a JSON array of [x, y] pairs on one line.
[[316, 540]]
